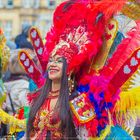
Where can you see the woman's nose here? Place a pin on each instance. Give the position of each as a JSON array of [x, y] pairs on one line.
[[53, 63]]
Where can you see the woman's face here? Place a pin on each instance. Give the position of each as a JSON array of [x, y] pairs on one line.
[[54, 67]]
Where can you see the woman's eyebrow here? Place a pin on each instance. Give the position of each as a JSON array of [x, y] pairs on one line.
[[58, 58]]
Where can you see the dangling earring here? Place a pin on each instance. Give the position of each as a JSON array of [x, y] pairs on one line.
[[71, 83]]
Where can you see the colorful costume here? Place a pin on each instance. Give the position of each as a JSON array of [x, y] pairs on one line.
[[85, 40], [15, 124], [44, 122]]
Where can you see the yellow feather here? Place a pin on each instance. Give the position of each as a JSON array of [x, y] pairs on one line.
[[129, 100], [132, 9], [127, 109]]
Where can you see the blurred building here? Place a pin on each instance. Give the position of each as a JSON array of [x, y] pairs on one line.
[[15, 14]]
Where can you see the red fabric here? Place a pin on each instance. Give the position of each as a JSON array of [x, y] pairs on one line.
[[38, 47], [32, 97], [30, 67], [127, 70], [21, 113]]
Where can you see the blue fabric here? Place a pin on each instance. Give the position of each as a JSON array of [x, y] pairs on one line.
[[20, 135], [117, 133], [32, 85]]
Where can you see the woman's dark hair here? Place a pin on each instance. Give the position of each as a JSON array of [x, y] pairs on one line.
[[67, 126]]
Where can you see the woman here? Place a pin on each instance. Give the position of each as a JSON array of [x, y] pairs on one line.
[[80, 43], [50, 115]]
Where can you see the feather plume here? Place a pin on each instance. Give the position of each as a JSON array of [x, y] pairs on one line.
[[132, 9], [127, 46], [108, 7], [129, 103], [95, 16]]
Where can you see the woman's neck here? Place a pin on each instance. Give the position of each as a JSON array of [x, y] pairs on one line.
[[56, 85]]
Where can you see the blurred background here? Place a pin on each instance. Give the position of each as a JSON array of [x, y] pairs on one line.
[[15, 15]]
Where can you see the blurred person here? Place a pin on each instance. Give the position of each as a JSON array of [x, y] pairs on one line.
[[4, 59], [21, 40], [17, 85], [16, 124]]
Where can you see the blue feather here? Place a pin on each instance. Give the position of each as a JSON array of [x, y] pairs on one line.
[[102, 94], [83, 88], [117, 133]]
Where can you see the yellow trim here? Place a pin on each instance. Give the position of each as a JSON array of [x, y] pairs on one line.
[[29, 34], [100, 59], [27, 56], [76, 114]]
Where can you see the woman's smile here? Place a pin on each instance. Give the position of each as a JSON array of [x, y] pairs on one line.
[[53, 70]]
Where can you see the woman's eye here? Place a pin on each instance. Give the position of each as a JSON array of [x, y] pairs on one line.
[[59, 60], [50, 60]]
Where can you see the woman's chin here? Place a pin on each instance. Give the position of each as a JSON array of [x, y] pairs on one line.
[[54, 78]]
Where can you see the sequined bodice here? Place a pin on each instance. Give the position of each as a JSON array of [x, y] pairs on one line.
[[46, 120]]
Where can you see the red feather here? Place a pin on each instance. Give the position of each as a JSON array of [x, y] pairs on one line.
[[108, 7], [124, 50]]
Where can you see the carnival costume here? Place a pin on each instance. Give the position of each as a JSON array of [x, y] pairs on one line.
[[85, 32], [16, 124]]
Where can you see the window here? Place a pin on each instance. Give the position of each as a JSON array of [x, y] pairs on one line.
[[44, 23], [9, 4], [7, 28], [27, 3], [1, 4], [51, 3], [36, 3]]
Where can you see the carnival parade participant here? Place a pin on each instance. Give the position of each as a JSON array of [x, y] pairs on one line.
[[78, 86], [16, 124]]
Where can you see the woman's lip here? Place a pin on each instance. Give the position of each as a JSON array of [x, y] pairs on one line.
[[53, 72], [53, 69]]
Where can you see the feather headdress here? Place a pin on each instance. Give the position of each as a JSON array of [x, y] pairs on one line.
[[75, 36]]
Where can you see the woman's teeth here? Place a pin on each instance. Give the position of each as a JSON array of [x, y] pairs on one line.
[[54, 70]]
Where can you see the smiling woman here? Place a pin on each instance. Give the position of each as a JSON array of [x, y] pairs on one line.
[[50, 113], [79, 86]]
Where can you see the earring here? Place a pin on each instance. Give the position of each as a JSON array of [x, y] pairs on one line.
[[71, 83]]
